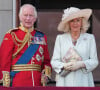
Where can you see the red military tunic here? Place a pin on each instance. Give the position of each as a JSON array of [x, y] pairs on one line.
[[0, 74], [9, 47]]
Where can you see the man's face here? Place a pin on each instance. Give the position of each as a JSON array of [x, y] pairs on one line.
[[27, 17]]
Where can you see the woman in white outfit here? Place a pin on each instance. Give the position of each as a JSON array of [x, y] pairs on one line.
[[74, 24]]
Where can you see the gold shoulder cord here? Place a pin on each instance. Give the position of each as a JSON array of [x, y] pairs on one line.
[[23, 42]]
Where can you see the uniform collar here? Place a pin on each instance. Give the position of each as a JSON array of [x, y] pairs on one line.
[[25, 29]]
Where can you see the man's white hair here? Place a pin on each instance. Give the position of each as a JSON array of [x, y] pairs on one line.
[[21, 9]]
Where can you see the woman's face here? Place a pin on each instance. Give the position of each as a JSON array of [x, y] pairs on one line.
[[75, 24]]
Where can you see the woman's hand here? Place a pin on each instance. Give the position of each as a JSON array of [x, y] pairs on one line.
[[76, 65], [67, 66]]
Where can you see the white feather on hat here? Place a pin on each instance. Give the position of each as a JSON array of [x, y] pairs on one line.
[[72, 13]]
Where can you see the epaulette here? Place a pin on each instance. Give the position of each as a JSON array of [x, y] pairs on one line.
[[9, 31]]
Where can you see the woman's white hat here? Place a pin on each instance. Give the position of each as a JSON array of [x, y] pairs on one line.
[[72, 13]]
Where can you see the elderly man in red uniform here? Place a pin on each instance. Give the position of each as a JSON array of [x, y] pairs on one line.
[[24, 53]]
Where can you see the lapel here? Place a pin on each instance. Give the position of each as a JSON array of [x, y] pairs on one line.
[[69, 40]]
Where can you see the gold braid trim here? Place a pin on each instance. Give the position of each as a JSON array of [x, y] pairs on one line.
[[48, 71], [6, 79], [23, 42], [9, 31], [26, 67], [14, 35]]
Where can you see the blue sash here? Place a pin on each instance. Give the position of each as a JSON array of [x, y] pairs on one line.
[[26, 57]]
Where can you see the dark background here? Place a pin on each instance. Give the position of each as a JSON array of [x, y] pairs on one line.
[[61, 4]]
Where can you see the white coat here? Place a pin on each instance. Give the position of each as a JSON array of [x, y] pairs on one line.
[[86, 47]]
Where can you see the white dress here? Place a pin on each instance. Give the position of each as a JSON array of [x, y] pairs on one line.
[[86, 47]]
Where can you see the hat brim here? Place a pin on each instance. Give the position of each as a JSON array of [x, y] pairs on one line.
[[85, 13]]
